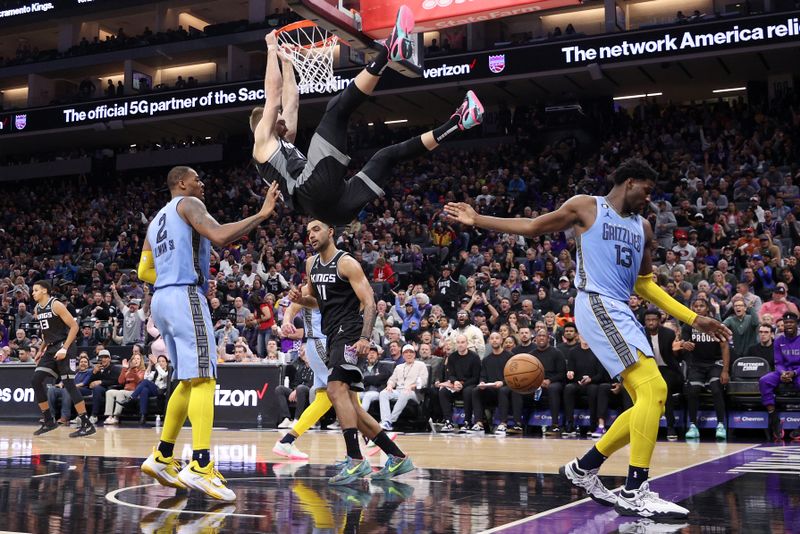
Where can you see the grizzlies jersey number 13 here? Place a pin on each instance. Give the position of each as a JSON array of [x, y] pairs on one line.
[[610, 253]]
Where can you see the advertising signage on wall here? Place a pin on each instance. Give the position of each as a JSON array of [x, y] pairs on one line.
[[488, 65], [28, 10]]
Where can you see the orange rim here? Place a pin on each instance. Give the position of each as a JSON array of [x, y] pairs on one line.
[[300, 24]]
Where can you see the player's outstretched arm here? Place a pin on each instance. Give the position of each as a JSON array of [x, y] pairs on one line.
[[264, 133], [572, 212], [351, 270], [647, 288], [194, 212], [290, 98]]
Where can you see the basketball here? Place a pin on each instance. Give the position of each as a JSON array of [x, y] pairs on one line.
[[524, 373]]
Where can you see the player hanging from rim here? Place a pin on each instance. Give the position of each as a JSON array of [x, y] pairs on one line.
[[342, 292], [176, 258], [56, 358], [614, 246], [317, 185], [315, 350]]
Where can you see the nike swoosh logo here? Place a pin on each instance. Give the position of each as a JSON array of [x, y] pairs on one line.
[[393, 468], [263, 390], [353, 470]]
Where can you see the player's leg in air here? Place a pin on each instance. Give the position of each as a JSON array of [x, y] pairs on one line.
[[324, 176]]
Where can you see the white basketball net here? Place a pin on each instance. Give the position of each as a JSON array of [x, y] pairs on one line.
[[311, 52]]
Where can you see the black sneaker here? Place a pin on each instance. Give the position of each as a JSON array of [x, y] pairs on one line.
[[86, 429], [553, 430], [515, 429], [448, 427], [775, 427], [671, 434], [46, 427]]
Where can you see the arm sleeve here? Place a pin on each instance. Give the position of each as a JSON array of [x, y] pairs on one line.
[[147, 267], [649, 290]]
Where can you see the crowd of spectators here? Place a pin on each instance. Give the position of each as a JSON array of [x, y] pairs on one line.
[[120, 40], [724, 213]]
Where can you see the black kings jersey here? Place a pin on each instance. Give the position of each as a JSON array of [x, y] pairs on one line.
[[54, 329], [285, 165], [337, 301]]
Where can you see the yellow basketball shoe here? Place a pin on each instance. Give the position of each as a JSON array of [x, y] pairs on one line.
[[206, 479], [164, 470]]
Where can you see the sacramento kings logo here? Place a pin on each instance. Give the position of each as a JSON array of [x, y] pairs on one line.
[[497, 64], [20, 121]]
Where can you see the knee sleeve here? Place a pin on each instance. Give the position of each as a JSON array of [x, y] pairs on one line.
[[72, 389], [39, 389]]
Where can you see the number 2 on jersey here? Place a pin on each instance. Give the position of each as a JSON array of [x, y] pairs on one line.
[[162, 231]]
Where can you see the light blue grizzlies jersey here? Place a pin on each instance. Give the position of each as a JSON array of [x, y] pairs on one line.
[[182, 256], [610, 253], [312, 323]]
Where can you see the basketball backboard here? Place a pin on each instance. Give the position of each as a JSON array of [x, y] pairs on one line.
[[343, 18]]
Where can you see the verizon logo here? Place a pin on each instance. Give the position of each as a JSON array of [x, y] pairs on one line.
[[238, 397], [445, 71]]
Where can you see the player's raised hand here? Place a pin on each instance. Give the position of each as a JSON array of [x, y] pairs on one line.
[[713, 328], [273, 194], [461, 212], [271, 39]]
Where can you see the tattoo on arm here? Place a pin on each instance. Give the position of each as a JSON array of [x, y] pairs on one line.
[[370, 315]]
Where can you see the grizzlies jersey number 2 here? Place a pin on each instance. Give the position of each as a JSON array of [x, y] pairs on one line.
[[610, 253], [182, 256]]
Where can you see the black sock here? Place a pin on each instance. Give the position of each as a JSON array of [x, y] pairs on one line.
[[636, 477], [379, 62], [446, 129], [166, 449], [48, 417], [203, 456], [288, 438], [387, 445], [591, 460], [351, 441]]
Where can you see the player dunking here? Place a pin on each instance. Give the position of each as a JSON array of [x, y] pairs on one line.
[[341, 291], [176, 259], [317, 185], [57, 358], [619, 241]]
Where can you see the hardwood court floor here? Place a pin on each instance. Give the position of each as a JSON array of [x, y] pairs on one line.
[[464, 484]]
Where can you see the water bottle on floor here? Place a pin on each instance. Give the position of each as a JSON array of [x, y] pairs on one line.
[[158, 421], [258, 421]]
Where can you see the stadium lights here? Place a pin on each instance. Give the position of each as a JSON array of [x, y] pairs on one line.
[[729, 90], [208, 138], [631, 97], [398, 121]]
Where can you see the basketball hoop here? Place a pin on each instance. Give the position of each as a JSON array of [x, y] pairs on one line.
[[310, 49]]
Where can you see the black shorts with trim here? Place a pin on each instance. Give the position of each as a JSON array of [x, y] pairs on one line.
[[343, 362], [703, 374], [58, 369]]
